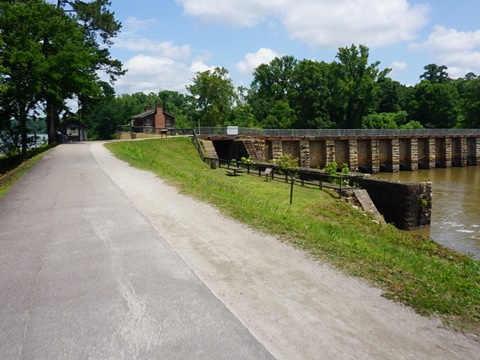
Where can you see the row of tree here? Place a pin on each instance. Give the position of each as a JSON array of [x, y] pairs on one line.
[[50, 53], [350, 92], [347, 93]]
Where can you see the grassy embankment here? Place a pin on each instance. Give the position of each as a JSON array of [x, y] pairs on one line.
[[412, 270], [12, 169]]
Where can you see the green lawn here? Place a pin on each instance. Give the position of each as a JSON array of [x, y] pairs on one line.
[[412, 270]]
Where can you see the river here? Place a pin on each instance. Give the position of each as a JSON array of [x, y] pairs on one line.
[[455, 206]]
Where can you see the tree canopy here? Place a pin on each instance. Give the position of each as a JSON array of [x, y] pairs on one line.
[[214, 96], [50, 55]]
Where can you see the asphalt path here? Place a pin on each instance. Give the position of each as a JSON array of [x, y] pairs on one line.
[[83, 275], [99, 260]]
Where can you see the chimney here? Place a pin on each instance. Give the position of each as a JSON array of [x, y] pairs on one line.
[[148, 107], [159, 116]]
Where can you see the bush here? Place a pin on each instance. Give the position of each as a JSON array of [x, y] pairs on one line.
[[286, 162], [331, 168]]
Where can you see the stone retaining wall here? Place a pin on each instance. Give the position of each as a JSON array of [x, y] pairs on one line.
[[407, 205]]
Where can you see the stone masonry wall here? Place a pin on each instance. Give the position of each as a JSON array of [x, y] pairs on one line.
[[318, 154], [353, 155], [277, 150], [406, 205], [304, 153]]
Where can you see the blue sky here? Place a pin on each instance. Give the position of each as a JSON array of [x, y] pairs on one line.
[[163, 43]]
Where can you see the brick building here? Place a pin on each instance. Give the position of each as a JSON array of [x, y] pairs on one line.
[[154, 117]]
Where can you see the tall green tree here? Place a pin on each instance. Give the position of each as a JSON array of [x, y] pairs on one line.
[[388, 96], [434, 105], [436, 74], [310, 96], [213, 94], [471, 103], [243, 111], [23, 25], [353, 84], [272, 88], [98, 26], [52, 55]]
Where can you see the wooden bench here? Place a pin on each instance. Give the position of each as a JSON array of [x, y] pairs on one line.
[[233, 171], [268, 173]]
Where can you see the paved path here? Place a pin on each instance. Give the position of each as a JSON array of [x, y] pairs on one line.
[[100, 260], [83, 275]]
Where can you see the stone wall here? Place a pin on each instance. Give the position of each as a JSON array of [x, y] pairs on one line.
[[304, 153], [385, 154], [406, 205], [341, 152], [364, 156], [373, 154], [472, 150], [318, 155], [260, 149], [423, 153]]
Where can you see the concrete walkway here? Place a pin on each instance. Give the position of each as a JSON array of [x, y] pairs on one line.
[[100, 260], [83, 275]]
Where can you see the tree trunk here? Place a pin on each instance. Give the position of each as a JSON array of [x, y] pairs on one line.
[[23, 132], [52, 122]]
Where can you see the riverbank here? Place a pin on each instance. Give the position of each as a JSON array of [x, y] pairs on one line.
[[412, 270]]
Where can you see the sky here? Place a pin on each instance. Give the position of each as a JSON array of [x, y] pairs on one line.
[[164, 43]]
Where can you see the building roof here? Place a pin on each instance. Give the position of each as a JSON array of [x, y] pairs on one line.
[[144, 114], [73, 121], [150, 113]]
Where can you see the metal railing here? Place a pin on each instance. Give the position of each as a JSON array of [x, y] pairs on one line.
[[242, 131], [154, 130], [338, 132], [198, 146]]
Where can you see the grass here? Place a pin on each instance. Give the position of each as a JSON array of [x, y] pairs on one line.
[[10, 177], [412, 270]]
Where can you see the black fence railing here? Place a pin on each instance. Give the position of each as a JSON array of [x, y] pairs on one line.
[[302, 176]]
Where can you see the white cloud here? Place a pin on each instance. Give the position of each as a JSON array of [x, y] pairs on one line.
[[458, 50], [131, 38], [399, 65], [321, 23], [443, 40], [165, 48], [234, 12], [134, 25], [152, 74], [253, 60], [200, 66], [343, 22]]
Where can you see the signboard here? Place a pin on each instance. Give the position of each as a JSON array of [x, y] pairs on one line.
[[232, 130]]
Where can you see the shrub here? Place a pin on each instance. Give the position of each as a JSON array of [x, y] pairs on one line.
[[286, 162]]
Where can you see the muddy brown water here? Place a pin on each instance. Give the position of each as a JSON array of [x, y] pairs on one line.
[[455, 207]]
